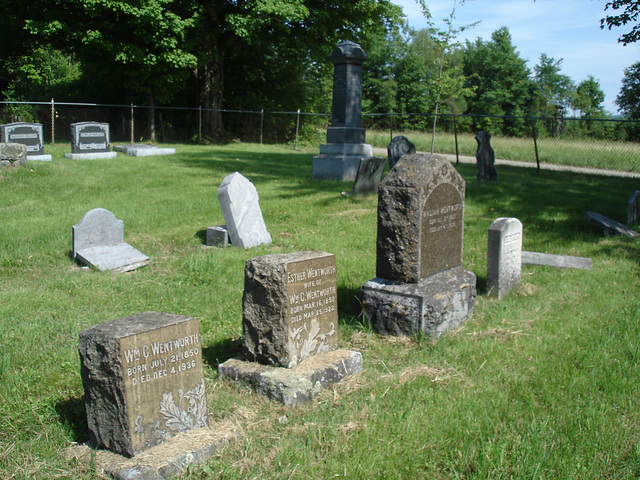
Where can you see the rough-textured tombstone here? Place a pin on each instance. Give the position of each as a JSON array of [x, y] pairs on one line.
[[28, 134], [143, 380], [98, 241], [609, 226], [217, 236], [340, 156], [485, 157], [633, 209], [241, 211], [289, 307], [13, 154], [420, 284], [90, 140], [398, 147], [368, 177], [144, 150], [504, 256], [290, 328]]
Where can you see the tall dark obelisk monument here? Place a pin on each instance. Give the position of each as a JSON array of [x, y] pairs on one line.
[[340, 157]]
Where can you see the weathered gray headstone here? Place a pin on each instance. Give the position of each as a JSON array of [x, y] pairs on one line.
[[368, 177], [504, 256], [609, 226], [241, 211], [143, 380], [420, 219], [13, 154], [98, 241], [398, 147], [90, 140], [420, 284], [340, 156], [485, 157], [289, 307], [290, 328], [217, 236], [633, 209], [28, 134]]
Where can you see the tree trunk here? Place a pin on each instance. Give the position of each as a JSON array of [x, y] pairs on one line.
[[210, 78], [152, 118]]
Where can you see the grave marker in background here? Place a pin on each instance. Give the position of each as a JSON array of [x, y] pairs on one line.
[[633, 209], [290, 328], [504, 256], [143, 380], [398, 147], [420, 284], [90, 140], [28, 134]]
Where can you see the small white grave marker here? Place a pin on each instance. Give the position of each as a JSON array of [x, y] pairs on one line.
[[504, 256]]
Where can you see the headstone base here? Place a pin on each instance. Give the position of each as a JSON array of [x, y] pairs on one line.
[[90, 156], [340, 161], [294, 386], [39, 158], [432, 306], [217, 236], [167, 460]]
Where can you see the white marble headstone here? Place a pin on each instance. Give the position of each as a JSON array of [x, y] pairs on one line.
[[504, 256], [241, 211]]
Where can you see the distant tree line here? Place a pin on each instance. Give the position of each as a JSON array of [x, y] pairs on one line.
[[272, 55]]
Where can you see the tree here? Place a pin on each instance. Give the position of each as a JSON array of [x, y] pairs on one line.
[[629, 97], [629, 14], [588, 98], [501, 81], [554, 88]]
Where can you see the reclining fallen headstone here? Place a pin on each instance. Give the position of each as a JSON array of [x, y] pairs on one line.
[[552, 260], [610, 227], [98, 241], [144, 150]]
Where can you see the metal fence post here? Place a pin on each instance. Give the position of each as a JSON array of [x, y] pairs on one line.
[[535, 143], [199, 123], [455, 135], [132, 135], [390, 125], [295, 145], [53, 121], [261, 123]]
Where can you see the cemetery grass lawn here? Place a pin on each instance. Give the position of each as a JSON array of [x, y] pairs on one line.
[[542, 384]]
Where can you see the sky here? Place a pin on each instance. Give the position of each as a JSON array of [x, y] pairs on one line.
[[562, 29]]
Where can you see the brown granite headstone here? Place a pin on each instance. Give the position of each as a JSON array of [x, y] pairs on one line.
[[420, 219], [289, 307], [143, 380]]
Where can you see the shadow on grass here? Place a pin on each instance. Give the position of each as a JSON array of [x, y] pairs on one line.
[[222, 351], [73, 416]]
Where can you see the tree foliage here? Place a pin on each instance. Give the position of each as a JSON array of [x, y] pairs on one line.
[[629, 97], [629, 14]]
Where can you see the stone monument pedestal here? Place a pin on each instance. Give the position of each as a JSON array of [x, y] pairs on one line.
[[294, 386], [432, 306], [340, 161]]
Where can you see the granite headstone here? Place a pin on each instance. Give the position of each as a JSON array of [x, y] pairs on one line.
[[398, 147], [420, 284], [485, 157], [143, 380], [633, 208], [28, 134]]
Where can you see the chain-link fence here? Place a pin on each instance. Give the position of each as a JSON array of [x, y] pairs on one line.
[[611, 144]]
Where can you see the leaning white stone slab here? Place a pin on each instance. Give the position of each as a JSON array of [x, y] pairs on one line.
[[551, 260], [120, 257], [238, 199]]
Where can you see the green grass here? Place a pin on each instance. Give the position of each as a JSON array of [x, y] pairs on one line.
[[600, 154], [542, 384]]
